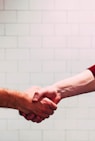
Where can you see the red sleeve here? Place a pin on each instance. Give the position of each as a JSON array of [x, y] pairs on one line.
[[92, 69]]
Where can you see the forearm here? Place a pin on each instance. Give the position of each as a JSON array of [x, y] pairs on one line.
[[79, 84], [9, 98]]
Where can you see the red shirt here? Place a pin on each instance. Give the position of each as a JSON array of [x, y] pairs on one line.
[[92, 69]]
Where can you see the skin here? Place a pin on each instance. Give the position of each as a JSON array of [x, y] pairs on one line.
[[76, 85], [38, 117], [81, 83], [22, 101]]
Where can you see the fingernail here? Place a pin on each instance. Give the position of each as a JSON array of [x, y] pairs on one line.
[[34, 100]]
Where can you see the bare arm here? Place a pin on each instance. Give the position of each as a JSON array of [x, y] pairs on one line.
[[79, 84], [9, 98], [76, 85], [22, 101]]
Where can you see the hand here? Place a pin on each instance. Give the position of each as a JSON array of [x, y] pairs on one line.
[[50, 92], [31, 116], [40, 110]]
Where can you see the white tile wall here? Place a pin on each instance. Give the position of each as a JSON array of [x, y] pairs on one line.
[[67, 5], [77, 135], [53, 17], [28, 135], [7, 16], [54, 135], [9, 135], [42, 4], [29, 17], [1, 29], [43, 41], [8, 42], [42, 29], [16, 5], [1, 4], [17, 29]]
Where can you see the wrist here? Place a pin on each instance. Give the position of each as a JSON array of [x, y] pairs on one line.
[[69, 87], [7, 98], [58, 90], [13, 99], [65, 90]]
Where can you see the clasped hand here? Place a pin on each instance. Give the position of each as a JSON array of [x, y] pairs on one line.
[[40, 103]]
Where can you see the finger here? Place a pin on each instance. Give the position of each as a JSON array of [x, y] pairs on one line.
[[22, 114], [44, 114], [30, 116], [50, 104], [27, 116], [38, 119], [50, 112], [40, 94], [45, 92], [53, 106], [37, 96]]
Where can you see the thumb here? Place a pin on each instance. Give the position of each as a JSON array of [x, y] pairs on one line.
[[52, 105], [37, 96], [44, 93]]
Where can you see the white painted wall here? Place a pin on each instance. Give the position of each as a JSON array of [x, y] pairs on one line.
[[41, 42]]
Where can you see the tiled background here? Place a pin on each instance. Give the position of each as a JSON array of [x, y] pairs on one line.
[[41, 42]]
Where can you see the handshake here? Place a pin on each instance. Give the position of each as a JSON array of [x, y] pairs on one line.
[[39, 103]]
